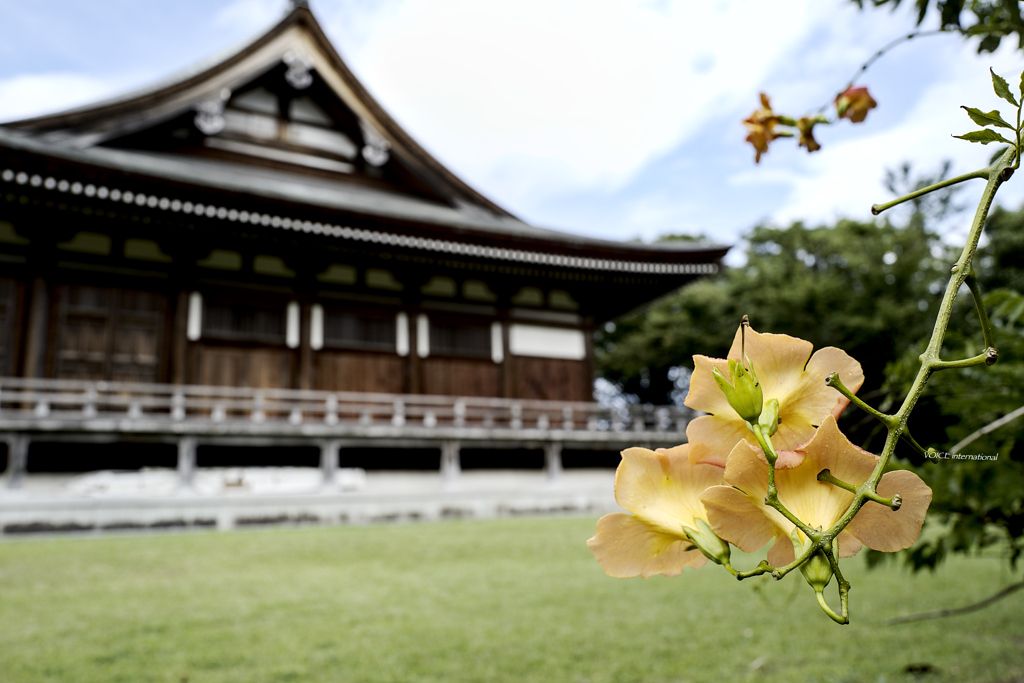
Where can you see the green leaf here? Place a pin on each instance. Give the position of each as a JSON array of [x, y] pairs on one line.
[[983, 136], [1022, 84], [1002, 88], [992, 118]]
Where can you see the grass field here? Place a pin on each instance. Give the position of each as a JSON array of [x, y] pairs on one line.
[[511, 600]]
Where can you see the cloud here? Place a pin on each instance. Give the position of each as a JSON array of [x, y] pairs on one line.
[[564, 94], [36, 94], [249, 16], [844, 179]]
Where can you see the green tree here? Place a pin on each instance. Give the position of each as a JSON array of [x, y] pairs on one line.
[[870, 288], [989, 20], [980, 502]]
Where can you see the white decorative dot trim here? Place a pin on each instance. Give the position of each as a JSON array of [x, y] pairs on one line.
[[8, 175]]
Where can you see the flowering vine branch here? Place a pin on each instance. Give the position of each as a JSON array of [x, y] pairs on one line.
[[767, 463]]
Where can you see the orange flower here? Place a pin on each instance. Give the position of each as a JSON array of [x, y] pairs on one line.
[[806, 128], [787, 372], [738, 514], [761, 125], [662, 490], [854, 103]]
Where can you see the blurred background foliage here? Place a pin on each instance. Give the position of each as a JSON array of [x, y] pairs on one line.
[[873, 289], [988, 20]]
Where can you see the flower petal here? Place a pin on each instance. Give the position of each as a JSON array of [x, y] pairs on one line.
[[662, 489], [817, 503], [704, 393], [781, 553], [735, 518], [776, 357], [625, 546], [787, 371], [828, 360], [805, 399], [711, 438], [879, 527], [848, 544]]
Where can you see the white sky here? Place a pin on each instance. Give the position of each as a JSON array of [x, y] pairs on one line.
[[611, 118]]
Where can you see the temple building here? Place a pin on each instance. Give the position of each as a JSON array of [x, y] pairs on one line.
[[258, 242]]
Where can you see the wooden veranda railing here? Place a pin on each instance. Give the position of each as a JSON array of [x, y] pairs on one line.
[[74, 405], [192, 416]]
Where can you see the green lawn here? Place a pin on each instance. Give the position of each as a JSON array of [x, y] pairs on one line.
[[511, 600]]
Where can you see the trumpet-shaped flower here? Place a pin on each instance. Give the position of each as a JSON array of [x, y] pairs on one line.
[[854, 103], [738, 513], [761, 128], [806, 127], [788, 373], [662, 489]]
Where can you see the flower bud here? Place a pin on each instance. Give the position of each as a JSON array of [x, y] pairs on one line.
[[769, 420], [714, 548], [744, 393], [817, 570]]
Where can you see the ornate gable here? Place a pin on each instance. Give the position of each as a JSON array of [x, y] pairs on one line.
[[286, 101]]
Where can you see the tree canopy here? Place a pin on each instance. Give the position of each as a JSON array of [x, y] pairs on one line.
[[988, 20]]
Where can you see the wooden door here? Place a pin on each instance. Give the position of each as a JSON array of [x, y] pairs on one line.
[[109, 333]]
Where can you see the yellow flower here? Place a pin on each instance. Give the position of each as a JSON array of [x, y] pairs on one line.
[[787, 372], [854, 103], [662, 489], [806, 127], [738, 514], [761, 127]]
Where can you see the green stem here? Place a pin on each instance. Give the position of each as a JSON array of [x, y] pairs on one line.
[[844, 586], [762, 568], [820, 595], [894, 502], [1016, 162], [979, 304], [888, 420], [986, 358], [772, 499], [826, 476], [896, 425], [983, 173], [996, 174], [864, 67], [921, 450], [837, 384]]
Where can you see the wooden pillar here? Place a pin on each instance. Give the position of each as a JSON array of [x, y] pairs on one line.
[[413, 361], [329, 464], [17, 326], [450, 465], [508, 364], [38, 321], [553, 461], [588, 376], [179, 340], [17, 460], [306, 379], [186, 462]]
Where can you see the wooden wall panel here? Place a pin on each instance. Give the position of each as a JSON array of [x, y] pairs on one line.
[[106, 333], [552, 379], [244, 367], [349, 371], [461, 377], [7, 312]]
